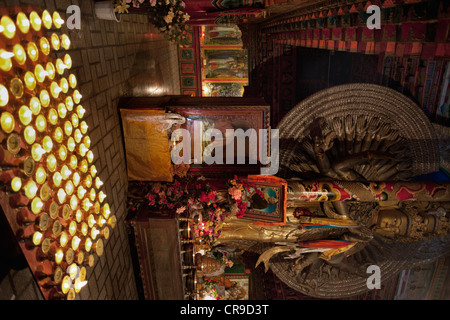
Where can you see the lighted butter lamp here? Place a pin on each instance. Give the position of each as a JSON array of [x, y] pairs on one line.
[[52, 116], [62, 110], [65, 41], [72, 81], [4, 96], [57, 179], [77, 97], [44, 45], [61, 195], [16, 184], [7, 122], [63, 239], [75, 243], [37, 152], [64, 84], [40, 73], [16, 88], [35, 21], [62, 152], [29, 80], [78, 285], [98, 183], [32, 241], [57, 21], [83, 166], [101, 196], [60, 66], [92, 194], [47, 144], [44, 97], [19, 54], [23, 23], [32, 51], [58, 134], [87, 182], [68, 128], [72, 228], [86, 204], [51, 70], [65, 172], [106, 210], [83, 127], [51, 163], [25, 115], [5, 60], [69, 103], [69, 188], [82, 150], [74, 119], [40, 123], [35, 106], [7, 27], [37, 205], [90, 156], [40, 175], [81, 192], [30, 189], [47, 19], [55, 90]]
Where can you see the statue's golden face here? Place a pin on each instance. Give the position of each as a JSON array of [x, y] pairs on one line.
[[394, 220]]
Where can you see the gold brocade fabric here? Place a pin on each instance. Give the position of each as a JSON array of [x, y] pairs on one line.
[[147, 147]]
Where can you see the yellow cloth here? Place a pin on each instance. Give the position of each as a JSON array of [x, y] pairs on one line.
[[147, 148]]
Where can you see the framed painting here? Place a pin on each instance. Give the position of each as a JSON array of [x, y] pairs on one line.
[[233, 286], [199, 119]]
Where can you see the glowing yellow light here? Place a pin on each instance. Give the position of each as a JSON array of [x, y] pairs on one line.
[[59, 255], [62, 110], [51, 71], [7, 122], [36, 205], [92, 194], [83, 127], [69, 103], [88, 244], [29, 134], [94, 233], [74, 119], [41, 123], [25, 115], [57, 178], [30, 189], [84, 229], [72, 81], [5, 60], [106, 211], [68, 128], [101, 221], [57, 21], [47, 144], [32, 51], [35, 106], [4, 96], [101, 196], [112, 221], [73, 202], [40, 73], [98, 183], [61, 194], [76, 96], [60, 66], [73, 162], [16, 184], [81, 192], [40, 175], [80, 111], [8, 27], [55, 90], [37, 152], [44, 45], [19, 54], [23, 23], [62, 152], [46, 19], [65, 41], [93, 171], [37, 238], [79, 285], [83, 166], [73, 271], [72, 228], [51, 163], [65, 172], [87, 141], [90, 156], [91, 221], [68, 61], [52, 116], [63, 239], [79, 216], [69, 188], [58, 135], [44, 97], [87, 181], [75, 243], [54, 40], [82, 150], [71, 144], [35, 20], [30, 80], [77, 135]]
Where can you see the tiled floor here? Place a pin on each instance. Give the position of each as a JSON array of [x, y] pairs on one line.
[[110, 60]]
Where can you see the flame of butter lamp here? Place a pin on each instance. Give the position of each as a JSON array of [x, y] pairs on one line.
[[91, 221], [23, 23], [35, 106], [98, 183], [87, 182], [19, 54], [101, 196], [57, 179], [47, 144], [72, 81], [25, 115], [40, 175], [35, 21], [44, 45], [71, 144], [60, 66], [40, 73], [57, 21], [7, 122], [69, 188], [37, 205], [16, 184], [55, 90], [86, 204], [65, 41], [64, 84], [37, 152], [62, 152], [94, 233], [83, 166], [61, 194], [69, 103], [77, 96], [75, 120], [65, 172], [106, 211], [81, 192], [79, 285], [88, 244], [51, 70], [29, 80], [75, 243], [4, 96], [76, 179], [63, 239], [54, 40], [32, 51], [7, 27], [83, 127], [92, 194], [41, 123], [73, 201], [58, 135], [78, 135], [68, 128], [51, 162], [90, 156], [44, 97], [47, 19], [30, 188], [5, 60], [52, 116]]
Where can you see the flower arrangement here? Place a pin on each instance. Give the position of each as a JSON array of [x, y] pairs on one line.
[[166, 15], [196, 198]]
